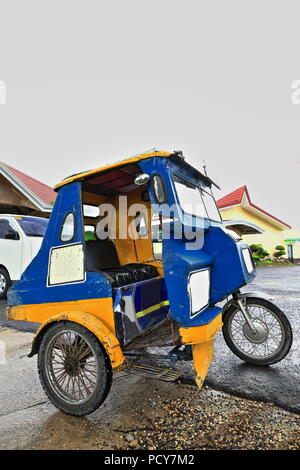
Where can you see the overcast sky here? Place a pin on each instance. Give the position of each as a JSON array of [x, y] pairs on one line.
[[94, 81]]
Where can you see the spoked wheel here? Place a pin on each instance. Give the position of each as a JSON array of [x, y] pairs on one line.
[[271, 339], [74, 369]]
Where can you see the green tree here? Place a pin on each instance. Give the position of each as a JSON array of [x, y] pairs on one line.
[[280, 251], [259, 252]]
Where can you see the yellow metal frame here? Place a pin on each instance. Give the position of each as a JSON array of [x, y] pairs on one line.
[[127, 161], [93, 324], [203, 333], [96, 315]]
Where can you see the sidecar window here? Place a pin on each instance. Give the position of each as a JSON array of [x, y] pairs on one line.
[[68, 228], [211, 206], [189, 198], [91, 211]]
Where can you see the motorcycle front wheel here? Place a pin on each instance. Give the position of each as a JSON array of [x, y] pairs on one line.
[[272, 338]]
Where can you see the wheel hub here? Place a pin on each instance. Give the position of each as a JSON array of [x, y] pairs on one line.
[[259, 335], [72, 366]]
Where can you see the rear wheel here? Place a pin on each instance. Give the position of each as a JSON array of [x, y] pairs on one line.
[[5, 283], [74, 369], [272, 338]]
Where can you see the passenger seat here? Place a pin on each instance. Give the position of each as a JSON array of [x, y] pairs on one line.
[[101, 255]]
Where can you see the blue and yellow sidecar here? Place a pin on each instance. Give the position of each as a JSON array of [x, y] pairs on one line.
[[136, 255]]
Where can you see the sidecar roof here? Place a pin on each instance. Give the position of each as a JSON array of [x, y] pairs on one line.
[[177, 157]]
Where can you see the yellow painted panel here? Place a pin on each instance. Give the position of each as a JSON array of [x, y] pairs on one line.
[[93, 324], [124, 245], [203, 355], [201, 334], [40, 313], [94, 199]]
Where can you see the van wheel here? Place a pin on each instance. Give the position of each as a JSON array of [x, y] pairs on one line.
[[74, 368], [4, 283]]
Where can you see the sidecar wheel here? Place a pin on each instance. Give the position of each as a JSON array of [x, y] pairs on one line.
[[272, 340], [74, 368]]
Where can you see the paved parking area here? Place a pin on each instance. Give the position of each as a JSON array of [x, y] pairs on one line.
[[279, 384]]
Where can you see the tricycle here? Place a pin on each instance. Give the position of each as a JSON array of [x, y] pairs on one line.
[[136, 256]]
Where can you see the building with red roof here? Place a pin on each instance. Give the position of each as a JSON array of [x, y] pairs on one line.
[[22, 194], [256, 225]]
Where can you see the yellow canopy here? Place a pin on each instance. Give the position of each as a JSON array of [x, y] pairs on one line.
[[135, 159]]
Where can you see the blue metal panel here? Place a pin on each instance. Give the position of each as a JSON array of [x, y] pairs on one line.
[[131, 304], [147, 296], [32, 287], [220, 253]]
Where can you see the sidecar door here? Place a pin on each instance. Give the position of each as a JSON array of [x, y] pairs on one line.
[[187, 283]]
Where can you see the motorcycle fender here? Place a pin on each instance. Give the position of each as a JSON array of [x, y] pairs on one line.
[[242, 295]]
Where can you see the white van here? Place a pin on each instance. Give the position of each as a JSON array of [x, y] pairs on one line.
[[20, 239]]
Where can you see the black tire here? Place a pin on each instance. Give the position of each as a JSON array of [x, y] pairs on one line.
[[101, 361], [285, 327], [5, 283]]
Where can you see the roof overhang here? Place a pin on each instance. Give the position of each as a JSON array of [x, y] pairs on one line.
[[248, 205], [243, 227], [266, 217], [24, 189]]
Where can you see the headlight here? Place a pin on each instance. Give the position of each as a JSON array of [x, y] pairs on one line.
[[248, 260], [199, 284]]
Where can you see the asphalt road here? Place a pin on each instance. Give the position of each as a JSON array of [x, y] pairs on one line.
[[280, 383]]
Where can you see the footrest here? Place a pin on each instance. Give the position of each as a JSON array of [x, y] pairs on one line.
[[160, 373]]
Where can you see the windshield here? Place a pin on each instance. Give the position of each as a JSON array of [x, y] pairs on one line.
[[32, 226], [196, 201]]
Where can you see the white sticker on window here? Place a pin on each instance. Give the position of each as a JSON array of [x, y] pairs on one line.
[[66, 264]]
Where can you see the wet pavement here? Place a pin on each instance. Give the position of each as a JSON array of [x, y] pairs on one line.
[[139, 413], [25, 412], [279, 383]]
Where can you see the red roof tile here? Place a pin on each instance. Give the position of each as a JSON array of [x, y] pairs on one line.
[[235, 197], [41, 190]]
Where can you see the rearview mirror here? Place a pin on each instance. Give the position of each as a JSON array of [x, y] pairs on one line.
[[141, 179]]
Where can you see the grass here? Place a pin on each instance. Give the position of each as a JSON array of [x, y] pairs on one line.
[[274, 263]]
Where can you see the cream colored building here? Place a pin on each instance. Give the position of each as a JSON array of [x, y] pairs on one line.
[[256, 225]]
